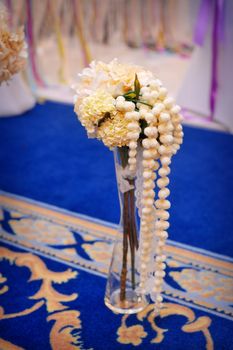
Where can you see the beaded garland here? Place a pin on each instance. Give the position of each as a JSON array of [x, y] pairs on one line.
[[152, 121]]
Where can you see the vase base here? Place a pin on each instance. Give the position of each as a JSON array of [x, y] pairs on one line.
[[132, 304]]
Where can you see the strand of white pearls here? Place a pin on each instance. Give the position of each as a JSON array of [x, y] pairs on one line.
[[150, 153], [133, 136], [170, 137], [168, 147], [139, 182], [133, 129], [150, 165], [178, 129], [164, 135]]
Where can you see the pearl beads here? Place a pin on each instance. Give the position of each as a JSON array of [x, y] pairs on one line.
[[163, 182], [162, 214], [133, 126], [123, 105], [168, 102], [164, 193], [162, 204], [165, 160], [164, 171], [167, 139], [158, 107], [162, 93], [133, 145], [149, 117], [133, 134], [132, 161], [148, 184], [132, 116], [163, 135], [147, 154], [132, 153], [164, 117], [150, 143], [176, 109], [151, 131], [148, 193], [161, 225]]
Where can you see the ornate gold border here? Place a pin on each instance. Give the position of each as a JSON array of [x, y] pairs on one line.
[[183, 255], [106, 232]]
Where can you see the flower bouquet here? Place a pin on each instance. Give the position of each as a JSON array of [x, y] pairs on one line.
[[128, 109], [13, 52]]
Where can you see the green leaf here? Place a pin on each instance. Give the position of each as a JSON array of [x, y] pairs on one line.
[[137, 86], [128, 92], [144, 103], [130, 95]]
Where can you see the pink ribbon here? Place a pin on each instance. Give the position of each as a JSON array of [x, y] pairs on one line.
[[10, 12], [31, 46], [217, 8]]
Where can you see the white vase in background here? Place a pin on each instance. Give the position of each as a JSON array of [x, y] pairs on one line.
[[15, 97]]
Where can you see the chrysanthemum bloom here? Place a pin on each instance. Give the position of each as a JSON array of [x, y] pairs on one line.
[[93, 109], [113, 131]]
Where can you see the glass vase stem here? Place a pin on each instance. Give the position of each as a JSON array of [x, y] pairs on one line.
[[129, 237], [125, 248], [122, 291]]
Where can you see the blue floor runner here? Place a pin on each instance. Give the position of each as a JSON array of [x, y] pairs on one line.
[[45, 155], [53, 269]]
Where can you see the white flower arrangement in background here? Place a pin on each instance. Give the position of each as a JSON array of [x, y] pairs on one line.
[[13, 49]]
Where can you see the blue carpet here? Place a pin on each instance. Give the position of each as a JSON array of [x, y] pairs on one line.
[[54, 265], [72, 325], [45, 155]]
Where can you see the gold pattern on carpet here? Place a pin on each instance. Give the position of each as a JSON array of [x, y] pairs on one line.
[[134, 334], [61, 335], [195, 278]]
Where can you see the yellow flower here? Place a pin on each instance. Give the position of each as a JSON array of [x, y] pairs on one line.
[[93, 108], [113, 131], [131, 335]]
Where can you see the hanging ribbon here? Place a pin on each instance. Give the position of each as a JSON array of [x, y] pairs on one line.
[[160, 40], [53, 6], [10, 13], [80, 32], [206, 9], [202, 23], [31, 45]]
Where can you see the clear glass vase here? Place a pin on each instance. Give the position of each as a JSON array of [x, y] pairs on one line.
[[122, 291]]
